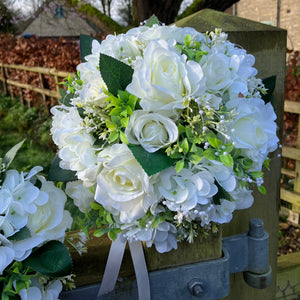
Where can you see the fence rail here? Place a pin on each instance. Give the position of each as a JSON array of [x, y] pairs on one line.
[[44, 92], [291, 198]]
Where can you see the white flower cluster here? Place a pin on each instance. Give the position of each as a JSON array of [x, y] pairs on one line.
[[194, 91], [37, 211]]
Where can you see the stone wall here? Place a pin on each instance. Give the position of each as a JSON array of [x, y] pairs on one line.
[[266, 11]]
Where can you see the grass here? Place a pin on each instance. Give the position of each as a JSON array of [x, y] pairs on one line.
[[18, 122]]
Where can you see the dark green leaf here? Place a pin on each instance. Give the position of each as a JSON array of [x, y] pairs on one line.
[[65, 97], [23, 234], [262, 189], [10, 155], [115, 73], [57, 174], [221, 194], [152, 21], [86, 45], [152, 163], [269, 83], [52, 259]]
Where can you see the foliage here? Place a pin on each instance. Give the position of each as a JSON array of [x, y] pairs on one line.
[[19, 122], [6, 20]]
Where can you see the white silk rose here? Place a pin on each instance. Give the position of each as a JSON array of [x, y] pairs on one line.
[[163, 79], [253, 130], [122, 185], [151, 130], [216, 70]]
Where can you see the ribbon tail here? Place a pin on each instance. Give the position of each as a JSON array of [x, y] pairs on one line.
[[112, 267], [140, 267]]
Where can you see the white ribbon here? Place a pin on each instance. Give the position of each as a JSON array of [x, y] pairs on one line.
[[113, 265]]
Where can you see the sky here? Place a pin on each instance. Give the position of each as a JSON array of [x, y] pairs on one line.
[[27, 7]]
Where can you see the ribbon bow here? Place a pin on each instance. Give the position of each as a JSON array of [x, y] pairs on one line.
[[113, 265]]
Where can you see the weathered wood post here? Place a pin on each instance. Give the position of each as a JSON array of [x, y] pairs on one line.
[[268, 45]]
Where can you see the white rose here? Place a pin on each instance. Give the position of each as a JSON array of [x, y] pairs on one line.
[[81, 195], [92, 93], [151, 130], [123, 47], [163, 79], [216, 70], [253, 130], [184, 190], [50, 221], [122, 185], [76, 149], [90, 68], [172, 32]]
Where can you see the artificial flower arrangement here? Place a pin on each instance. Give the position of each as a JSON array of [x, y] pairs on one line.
[[34, 262], [166, 131]]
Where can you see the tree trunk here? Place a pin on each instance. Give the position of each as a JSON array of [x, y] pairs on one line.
[[165, 10], [212, 4]]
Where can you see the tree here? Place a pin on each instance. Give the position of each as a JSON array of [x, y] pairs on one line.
[[6, 19], [167, 10]]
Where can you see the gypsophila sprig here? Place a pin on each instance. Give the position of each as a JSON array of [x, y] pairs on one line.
[[172, 136]]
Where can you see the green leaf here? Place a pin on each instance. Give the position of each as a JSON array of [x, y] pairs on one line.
[[22, 234], [86, 45], [123, 138], [57, 174], [221, 194], [256, 174], [152, 163], [152, 21], [262, 189], [227, 160], [195, 159], [101, 231], [125, 121], [65, 97], [113, 136], [187, 40], [114, 232], [269, 83], [179, 165], [185, 146], [115, 73], [214, 142], [10, 155], [210, 154], [53, 260], [95, 206], [109, 218]]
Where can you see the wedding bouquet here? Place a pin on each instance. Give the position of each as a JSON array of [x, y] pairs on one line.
[[166, 131], [33, 260]]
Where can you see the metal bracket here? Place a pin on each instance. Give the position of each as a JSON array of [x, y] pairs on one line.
[[208, 280]]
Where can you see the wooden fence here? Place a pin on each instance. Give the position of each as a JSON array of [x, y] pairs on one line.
[[44, 92], [290, 199]]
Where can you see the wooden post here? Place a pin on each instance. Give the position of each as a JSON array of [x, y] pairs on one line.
[[268, 45], [43, 95], [3, 79]]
